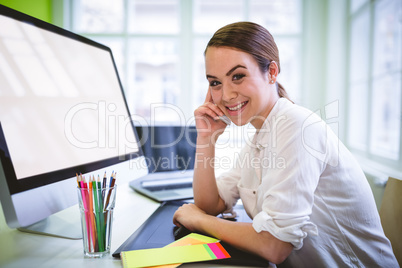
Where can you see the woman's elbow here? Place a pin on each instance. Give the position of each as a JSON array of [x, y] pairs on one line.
[[279, 258], [212, 209], [277, 253]]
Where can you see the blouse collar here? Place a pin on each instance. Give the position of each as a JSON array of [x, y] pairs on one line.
[[259, 140]]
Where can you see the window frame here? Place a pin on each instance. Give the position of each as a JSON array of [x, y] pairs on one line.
[[63, 17], [370, 162]]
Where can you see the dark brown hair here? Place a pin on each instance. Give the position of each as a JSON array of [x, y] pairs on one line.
[[253, 39]]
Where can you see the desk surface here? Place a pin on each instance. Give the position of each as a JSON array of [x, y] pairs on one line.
[[19, 249]]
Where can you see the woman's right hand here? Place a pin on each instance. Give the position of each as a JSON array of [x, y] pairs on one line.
[[207, 119]]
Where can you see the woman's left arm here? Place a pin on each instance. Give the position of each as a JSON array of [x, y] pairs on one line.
[[239, 234]]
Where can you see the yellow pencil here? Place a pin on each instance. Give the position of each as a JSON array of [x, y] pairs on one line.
[[78, 180]]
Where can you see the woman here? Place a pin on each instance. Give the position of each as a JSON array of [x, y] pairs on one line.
[[314, 208]]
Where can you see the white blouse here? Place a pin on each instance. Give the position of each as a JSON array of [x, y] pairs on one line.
[[299, 182]]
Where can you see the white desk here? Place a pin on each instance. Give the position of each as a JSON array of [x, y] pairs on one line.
[[19, 249]]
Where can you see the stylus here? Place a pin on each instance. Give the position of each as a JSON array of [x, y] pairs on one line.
[[225, 119]]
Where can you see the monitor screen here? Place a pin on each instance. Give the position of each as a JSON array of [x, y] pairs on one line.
[[62, 110], [168, 148]]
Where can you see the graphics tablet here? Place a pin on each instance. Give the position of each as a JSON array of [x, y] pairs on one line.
[[159, 231]]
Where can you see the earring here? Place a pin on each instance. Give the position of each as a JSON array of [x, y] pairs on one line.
[[272, 81]]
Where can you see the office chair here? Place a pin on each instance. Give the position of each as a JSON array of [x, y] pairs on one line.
[[391, 215]]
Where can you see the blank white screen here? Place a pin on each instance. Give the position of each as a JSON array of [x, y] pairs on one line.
[[60, 101]]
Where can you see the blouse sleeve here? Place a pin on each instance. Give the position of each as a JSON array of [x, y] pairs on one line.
[[288, 187]]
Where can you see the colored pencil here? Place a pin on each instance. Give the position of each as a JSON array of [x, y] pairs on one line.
[[84, 196], [91, 214], [95, 201], [111, 185], [98, 229], [101, 214], [87, 212]]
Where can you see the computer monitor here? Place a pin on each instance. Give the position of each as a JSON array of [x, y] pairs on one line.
[[62, 112], [168, 148]]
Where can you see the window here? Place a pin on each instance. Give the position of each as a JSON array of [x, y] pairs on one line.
[[375, 77], [158, 45]]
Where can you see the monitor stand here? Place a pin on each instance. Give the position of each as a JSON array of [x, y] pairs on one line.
[[64, 224]]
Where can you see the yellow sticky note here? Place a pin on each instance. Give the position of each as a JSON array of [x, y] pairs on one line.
[[167, 255], [190, 239], [193, 239]]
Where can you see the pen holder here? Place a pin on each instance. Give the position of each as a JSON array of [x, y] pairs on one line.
[[96, 209]]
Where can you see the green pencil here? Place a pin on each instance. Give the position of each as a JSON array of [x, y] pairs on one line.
[[101, 214], [97, 218]]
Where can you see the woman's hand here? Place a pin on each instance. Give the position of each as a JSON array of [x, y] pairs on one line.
[[188, 216], [209, 128], [239, 234], [207, 119]]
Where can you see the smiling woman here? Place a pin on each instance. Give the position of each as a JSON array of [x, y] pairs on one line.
[[225, 83], [315, 208], [262, 48]]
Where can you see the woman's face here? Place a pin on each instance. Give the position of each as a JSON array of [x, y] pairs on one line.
[[238, 87]]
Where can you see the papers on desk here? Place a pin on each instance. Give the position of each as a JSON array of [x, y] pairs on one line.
[[191, 248]]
